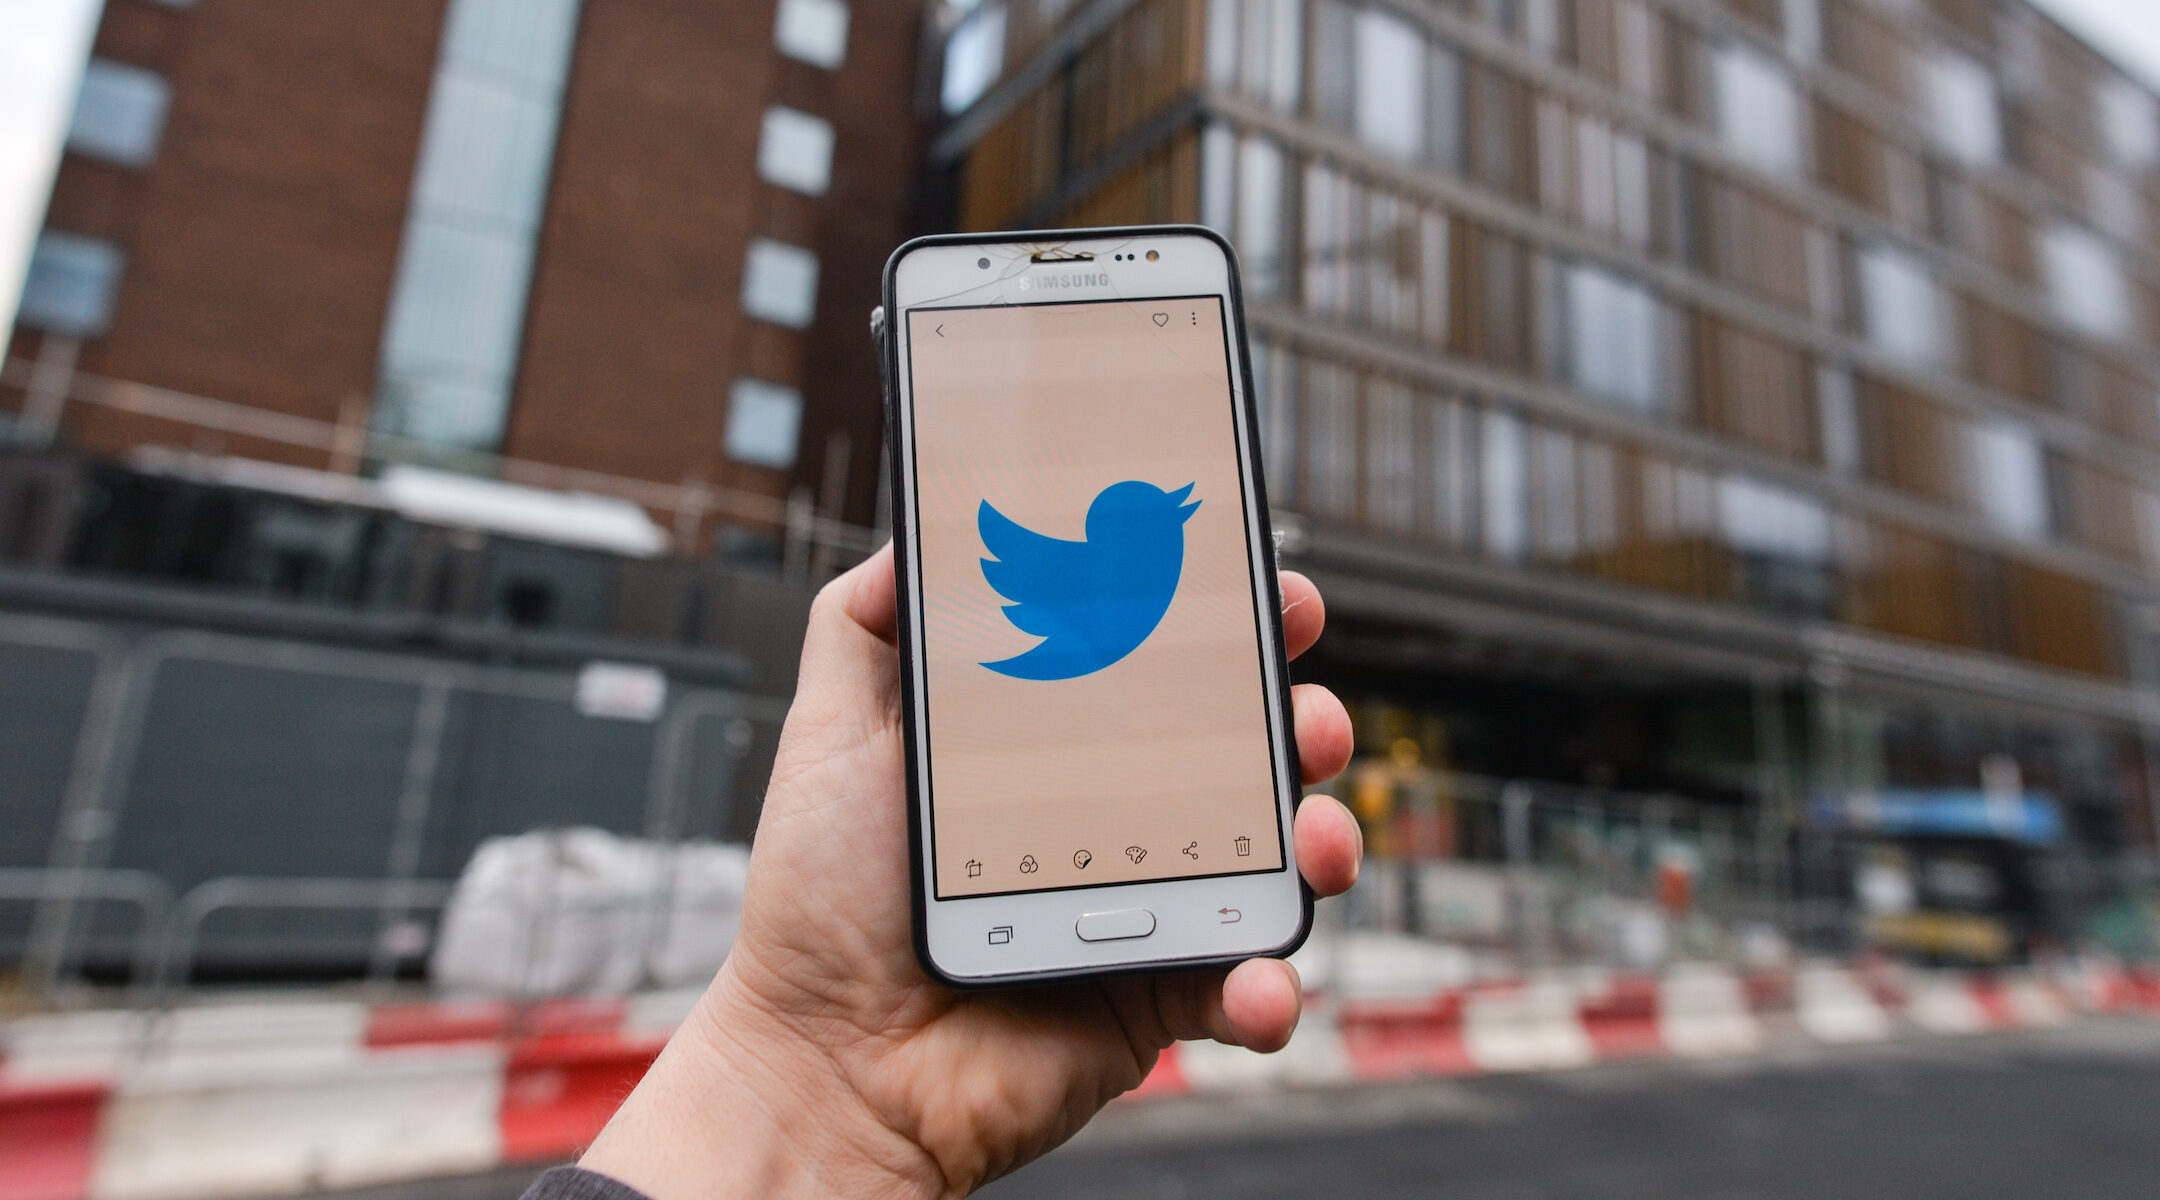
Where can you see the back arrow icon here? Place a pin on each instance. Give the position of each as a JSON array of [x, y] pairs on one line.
[[1230, 916], [941, 331]]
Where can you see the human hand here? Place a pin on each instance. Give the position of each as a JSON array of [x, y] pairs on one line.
[[823, 1060]]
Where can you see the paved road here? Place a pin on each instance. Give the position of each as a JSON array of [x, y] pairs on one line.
[[2068, 1114]]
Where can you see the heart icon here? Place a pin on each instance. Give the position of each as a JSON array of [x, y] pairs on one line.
[[1161, 319]]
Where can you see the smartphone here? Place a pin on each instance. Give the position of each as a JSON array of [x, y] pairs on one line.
[[1100, 759]]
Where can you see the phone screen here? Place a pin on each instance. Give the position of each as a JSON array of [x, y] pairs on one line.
[[1096, 708]]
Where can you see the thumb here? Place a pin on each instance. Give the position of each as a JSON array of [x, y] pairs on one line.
[[847, 656], [867, 597]]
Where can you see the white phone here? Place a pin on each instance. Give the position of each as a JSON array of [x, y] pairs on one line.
[[1101, 766]]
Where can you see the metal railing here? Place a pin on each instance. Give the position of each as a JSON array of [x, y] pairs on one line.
[[815, 536], [696, 743], [1551, 873]]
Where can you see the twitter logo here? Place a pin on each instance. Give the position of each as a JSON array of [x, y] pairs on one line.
[[1091, 602]]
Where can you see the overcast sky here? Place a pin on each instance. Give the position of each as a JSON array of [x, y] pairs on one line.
[[2127, 31], [42, 47]]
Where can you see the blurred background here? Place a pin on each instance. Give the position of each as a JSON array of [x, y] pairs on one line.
[[1727, 433]]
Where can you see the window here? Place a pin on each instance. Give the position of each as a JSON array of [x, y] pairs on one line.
[[1373, 257], [71, 285], [1757, 518], [1613, 339], [1961, 103], [1329, 404], [1781, 545], [2129, 122], [1900, 306], [1259, 236], [1391, 478], [1218, 177], [1557, 508], [1390, 96], [1803, 29], [1758, 110], [2008, 476], [1839, 413], [1274, 387], [457, 306], [813, 31], [1253, 48], [2084, 281], [764, 421], [1504, 476], [795, 151], [119, 113], [2114, 203], [974, 55], [1451, 471], [780, 283]]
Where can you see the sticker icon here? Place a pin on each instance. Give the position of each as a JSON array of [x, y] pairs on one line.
[[1082, 858]]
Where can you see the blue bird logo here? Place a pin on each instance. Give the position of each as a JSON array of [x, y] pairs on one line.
[[1091, 602]]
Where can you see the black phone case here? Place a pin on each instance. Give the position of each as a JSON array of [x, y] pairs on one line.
[[881, 327]]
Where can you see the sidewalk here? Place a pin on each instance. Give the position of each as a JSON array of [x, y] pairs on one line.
[[269, 1098]]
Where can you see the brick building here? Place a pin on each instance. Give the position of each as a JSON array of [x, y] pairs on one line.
[[1751, 401], [634, 239]]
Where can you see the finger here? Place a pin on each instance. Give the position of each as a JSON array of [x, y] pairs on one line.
[[1254, 1005], [1303, 615], [1330, 846], [1324, 737], [1260, 1004], [865, 594], [1189, 1007]]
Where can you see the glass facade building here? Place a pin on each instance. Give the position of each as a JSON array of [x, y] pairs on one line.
[[1798, 356]]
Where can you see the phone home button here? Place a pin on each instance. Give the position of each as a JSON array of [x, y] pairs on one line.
[[1115, 926]]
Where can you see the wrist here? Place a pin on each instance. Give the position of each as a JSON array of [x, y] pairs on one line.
[[741, 1105]]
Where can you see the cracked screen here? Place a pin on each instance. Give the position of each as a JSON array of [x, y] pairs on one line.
[[1096, 709]]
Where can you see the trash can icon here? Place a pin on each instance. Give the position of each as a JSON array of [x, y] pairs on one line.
[[1244, 847]]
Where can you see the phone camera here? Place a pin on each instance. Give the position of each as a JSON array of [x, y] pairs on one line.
[[982, 264], [1153, 255]]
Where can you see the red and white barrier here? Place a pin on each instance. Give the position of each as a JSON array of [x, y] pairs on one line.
[[275, 1098], [1833, 1006]]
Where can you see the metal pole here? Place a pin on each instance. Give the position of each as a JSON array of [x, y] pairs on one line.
[[2145, 666], [801, 527], [832, 497], [52, 379], [415, 796], [97, 785], [1515, 800]]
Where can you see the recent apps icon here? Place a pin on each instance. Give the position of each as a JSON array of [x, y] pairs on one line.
[[1092, 602]]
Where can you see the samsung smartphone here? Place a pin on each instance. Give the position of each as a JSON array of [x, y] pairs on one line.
[[1100, 762]]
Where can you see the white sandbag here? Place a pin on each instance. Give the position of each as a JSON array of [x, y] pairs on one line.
[[571, 911]]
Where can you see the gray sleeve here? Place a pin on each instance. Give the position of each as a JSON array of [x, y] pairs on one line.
[[576, 1183]]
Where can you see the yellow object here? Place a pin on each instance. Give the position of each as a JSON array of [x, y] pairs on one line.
[[1960, 935]]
